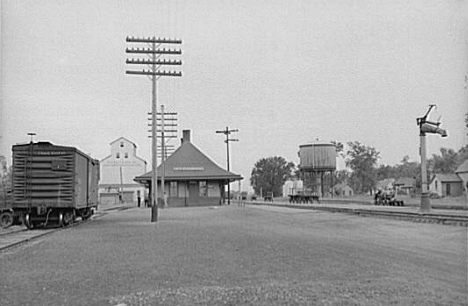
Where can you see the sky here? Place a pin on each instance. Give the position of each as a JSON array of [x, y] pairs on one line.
[[284, 73]]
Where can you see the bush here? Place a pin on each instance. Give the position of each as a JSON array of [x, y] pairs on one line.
[[434, 195]]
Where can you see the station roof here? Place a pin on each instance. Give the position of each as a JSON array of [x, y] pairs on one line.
[[189, 163]]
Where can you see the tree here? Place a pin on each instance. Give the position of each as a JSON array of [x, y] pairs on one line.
[[444, 163], [341, 176], [407, 168], [269, 174], [384, 172], [339, 148], [362, 160]]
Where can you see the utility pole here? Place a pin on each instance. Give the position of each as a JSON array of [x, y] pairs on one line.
[[172, 134], [227, 132], [163, 183], [426, 126], [121, 191], [164, 148], [154, 62]]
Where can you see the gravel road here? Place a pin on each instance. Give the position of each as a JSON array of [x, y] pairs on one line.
[[258, 255]]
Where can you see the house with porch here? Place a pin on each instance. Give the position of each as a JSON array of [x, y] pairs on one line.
[[190, 178]]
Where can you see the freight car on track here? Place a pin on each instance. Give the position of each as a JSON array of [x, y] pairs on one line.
[[53, 185]]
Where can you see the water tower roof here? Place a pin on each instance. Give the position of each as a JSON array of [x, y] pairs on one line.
[[317, 143]]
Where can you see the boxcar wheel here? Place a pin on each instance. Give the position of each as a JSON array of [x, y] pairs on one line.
[[68, 218], [86, 214], [6, 219]]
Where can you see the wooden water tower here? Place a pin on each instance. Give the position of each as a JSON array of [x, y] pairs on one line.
[[317, 158]]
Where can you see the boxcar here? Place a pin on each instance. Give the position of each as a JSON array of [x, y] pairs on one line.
[[53, 184]]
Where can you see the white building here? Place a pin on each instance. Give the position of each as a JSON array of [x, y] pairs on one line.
[[292, 187], [118, 171], [462, 172]]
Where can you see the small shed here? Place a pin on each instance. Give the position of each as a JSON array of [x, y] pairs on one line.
[[405, 184], [343, 190], [446, 185]]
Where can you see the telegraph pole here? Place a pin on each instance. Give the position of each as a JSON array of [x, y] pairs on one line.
[[227, 132], [166, 131], [154, 52], [162, 158]]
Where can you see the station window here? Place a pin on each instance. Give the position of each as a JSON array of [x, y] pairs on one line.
[[117, 155], [121, 144], [203, 189], [126, 155]]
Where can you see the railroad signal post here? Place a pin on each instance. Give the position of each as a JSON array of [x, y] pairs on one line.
[[227, 132], [426, 126], [154, 52]]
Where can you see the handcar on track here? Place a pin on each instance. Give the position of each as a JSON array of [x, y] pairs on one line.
[[387, 197]]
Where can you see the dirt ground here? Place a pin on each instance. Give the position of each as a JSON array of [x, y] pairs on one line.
[[228, 255]]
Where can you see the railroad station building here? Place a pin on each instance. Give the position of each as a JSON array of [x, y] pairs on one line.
[[190, 178], [117, 172]]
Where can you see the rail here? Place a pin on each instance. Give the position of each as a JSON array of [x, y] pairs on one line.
[[13, 238]]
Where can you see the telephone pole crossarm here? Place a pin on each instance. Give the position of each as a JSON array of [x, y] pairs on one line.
[[155, 73], [140, 61], [156, 40], [153, 51]]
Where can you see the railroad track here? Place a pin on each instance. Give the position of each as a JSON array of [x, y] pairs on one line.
[[438, 218], [14, 238], [417, 217], [21, 236]]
